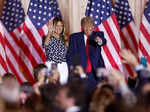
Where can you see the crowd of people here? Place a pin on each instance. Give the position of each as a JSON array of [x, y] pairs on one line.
[[74, 78]]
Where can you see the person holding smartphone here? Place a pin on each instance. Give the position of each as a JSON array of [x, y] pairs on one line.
[[56, 48]]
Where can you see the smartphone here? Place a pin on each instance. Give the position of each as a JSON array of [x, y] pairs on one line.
[[143, 61]]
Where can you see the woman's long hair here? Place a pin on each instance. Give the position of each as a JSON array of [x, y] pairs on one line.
[[102, 98], [63, 33]]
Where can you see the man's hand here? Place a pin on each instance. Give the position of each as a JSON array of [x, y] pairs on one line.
[[98, 40], [128, 57], [50, 27], [50, 32], [79, 70], [47, 40], [118, 76]]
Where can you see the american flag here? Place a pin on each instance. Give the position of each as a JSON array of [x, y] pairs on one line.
[[3, 65], [105, 20], [144, 39], [24, 41], [12, 18], [127, 25], [128, 28], [34, 28]]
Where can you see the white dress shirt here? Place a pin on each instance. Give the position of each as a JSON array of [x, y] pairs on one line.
[[73, 109], [85, 39]]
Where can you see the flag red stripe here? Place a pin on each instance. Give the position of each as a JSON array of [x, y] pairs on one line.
[[24, 48], [19, 29], [15, 38], [128, 67], [27, 74], [28, 53], [110, 57], [34, 43], [132, 36], [144, 52], [127, 46], [115, 22], [145, 33], [41, 32], [111, 36], [2, 41], [3, 63], [13, 70], [125, 42], [123, 38]]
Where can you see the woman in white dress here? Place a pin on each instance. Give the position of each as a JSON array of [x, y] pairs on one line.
[[56, 49]]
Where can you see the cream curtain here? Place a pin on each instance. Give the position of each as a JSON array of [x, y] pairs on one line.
[[64, 6], [77, 10]]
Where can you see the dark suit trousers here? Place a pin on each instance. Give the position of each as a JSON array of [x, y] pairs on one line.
[[92, 81]]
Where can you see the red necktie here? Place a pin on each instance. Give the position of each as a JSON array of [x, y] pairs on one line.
[[88, 66]]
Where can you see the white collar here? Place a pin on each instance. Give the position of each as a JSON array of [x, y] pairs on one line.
[[73, 109], [83, 76], [85, 39]]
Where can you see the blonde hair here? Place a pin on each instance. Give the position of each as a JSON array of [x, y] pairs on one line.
[[87, 20], [55, 21]]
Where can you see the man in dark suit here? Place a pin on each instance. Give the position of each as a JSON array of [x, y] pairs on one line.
[[86, 47]]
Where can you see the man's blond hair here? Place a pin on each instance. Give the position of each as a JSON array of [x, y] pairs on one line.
[[87, 20]]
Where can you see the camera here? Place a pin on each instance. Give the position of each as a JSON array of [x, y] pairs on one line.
[[48, 72], [52, 69]]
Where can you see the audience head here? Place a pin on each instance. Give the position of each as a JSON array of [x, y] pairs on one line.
[[144, 81], [71, 94], [8, 76], [102, 98], [143, 92], [38, 74], [33, 104], [111, 77], [26, 90], [48, 95], [9, 89], [143, 99]]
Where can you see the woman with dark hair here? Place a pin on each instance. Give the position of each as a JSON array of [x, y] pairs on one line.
[[102, 98], [56, 49]]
